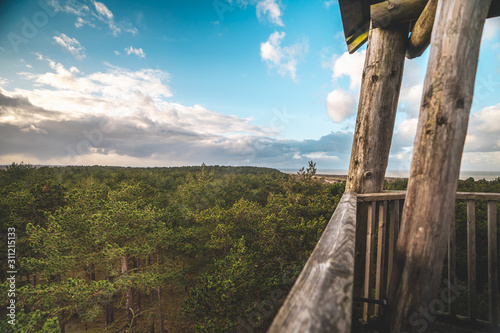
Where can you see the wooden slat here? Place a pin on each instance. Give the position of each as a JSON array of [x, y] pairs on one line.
[[452, 268], [471, 257], [321, 298], [380, 290], [492, 262], [370, 235], [393, 236]]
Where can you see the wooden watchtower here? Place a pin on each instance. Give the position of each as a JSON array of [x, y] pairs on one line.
[[411, 242]]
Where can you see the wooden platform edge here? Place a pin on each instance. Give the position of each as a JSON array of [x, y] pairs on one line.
[[321, 299]]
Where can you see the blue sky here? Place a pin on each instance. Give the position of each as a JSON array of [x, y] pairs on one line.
[[167, 83]]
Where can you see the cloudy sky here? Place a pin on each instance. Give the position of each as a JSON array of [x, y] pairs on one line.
[[228, 82]]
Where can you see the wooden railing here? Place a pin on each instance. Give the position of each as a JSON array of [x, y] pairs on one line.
[[384, 212], [322, 298]]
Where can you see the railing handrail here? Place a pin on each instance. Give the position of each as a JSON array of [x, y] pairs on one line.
[[398, 195], [321, 298]]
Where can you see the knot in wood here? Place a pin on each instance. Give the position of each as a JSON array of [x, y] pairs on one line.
[[368, 174]]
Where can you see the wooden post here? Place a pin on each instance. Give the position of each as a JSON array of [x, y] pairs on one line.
[[380, 85], [441, 131]]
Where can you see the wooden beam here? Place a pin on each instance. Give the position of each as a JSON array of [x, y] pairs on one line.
[[420, 36], [321, 299], [441, 131], [387, 13]]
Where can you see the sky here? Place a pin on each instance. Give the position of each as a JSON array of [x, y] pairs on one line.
[[221, 82]]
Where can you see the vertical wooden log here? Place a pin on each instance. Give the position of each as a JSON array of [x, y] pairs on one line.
[[380, 85], [441, 131], [492, 263], [471, 257], [380, 277], [378, 101], [452, 268], [369, 256]]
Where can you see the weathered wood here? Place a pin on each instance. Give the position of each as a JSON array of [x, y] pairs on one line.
[[441, 131], [321, 299], [492, 262], [420, 36], [393, 236], [478, 196], [380, 278], [380, 85], [471, 257], [370, 238], [360, 252], [452, 268], [399, 195], [383, 196], [387, 13]]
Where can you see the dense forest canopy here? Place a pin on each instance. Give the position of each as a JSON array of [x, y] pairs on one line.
[[207, 249]]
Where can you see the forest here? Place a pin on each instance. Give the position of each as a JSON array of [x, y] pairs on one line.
[[185, 249]]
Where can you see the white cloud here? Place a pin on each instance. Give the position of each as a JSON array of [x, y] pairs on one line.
[[103, 10], [284, 58], [117, 52], [329, 3], [93, 15], [271, 9], [138, 52], [340, 104], [80, 22], [491, 28], [71, 45], [350, 65]]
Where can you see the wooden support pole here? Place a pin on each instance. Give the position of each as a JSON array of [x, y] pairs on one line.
[[441, 131], [386, 13], [380, 85], [420, 36], [378, 101]]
